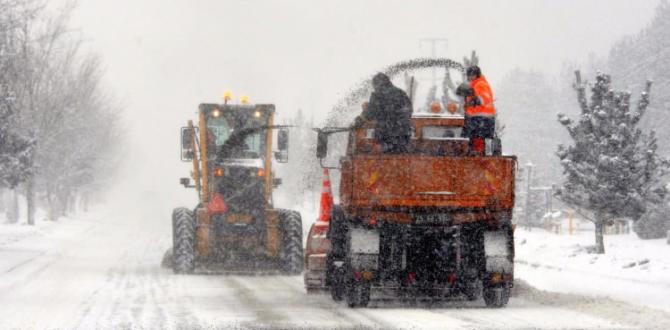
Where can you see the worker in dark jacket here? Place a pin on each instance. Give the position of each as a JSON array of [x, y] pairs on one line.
[[391, 109]]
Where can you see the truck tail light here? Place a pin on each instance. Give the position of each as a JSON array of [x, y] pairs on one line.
[[478, 145], [411, 277], [452, 278], [317, 242]]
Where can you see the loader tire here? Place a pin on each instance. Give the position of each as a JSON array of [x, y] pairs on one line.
[[496, 297], [291, 254], [183, 241]]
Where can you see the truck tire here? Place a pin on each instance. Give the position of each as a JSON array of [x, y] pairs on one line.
[[291, 254], [337, 287], [473, 289], [183, 241], [358, 294], [496, 297]]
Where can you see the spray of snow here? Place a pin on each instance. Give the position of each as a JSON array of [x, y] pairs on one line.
[[350, 101]]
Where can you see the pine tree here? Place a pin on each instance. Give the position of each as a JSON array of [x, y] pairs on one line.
[[612, 168], [646, 55], [654, 223], [15, 148]]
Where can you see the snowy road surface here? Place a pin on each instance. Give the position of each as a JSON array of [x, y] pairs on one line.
[[103, 271]]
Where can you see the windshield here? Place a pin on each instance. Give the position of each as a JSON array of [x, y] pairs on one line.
[[223, 128], [441, 132]]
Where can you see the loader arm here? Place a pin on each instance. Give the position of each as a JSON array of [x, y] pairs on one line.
[[196, 165]]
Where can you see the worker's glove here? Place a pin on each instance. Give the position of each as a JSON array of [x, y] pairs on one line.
[[359, 121], [474, 101], [464, 90]]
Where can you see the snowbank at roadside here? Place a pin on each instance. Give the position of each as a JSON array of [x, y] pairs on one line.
[[13, 232], [632, 270]]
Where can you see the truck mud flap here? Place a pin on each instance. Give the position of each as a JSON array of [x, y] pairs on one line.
[[499, 251]]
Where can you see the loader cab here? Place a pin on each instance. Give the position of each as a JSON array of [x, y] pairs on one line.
[[235, 222], [240, 149], [230, 131], [234, 141]]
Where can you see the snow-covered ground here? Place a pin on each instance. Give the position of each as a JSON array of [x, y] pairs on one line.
[[102, 270], [631, 270]]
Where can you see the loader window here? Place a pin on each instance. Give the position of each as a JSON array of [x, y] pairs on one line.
[[441, 132], [224, 128]]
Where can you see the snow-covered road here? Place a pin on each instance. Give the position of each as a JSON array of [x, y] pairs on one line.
[[103, 271]]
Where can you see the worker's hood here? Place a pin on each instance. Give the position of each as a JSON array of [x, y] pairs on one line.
[[381, 82]]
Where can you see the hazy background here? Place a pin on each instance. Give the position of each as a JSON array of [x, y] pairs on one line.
[[165, 57]]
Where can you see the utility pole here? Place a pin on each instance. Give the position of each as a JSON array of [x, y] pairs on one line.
[[433, 51]]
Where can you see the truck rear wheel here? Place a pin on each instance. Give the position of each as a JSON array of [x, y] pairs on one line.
[[183, 241], [291, 255], [358, 293], [496, 297], [336, 281], [473, 289], [335, 268]]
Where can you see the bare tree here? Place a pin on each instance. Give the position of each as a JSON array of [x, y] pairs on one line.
[[61, 103]]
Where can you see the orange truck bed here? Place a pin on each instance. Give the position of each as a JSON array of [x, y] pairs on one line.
[[390, 181]]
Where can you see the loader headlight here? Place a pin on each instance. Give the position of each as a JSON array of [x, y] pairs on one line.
[[257, 172]]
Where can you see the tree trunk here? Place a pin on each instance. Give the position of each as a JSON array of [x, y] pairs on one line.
[[600, 244], [63, 200], [13, 210], [3, 201], [51, 200], [84, 201], [30, 202]]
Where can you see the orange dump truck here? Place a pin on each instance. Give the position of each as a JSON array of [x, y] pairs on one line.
[[435, 221]]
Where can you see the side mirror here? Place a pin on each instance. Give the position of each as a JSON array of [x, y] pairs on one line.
[[186, 182], [282, 139], [282, 144], [321, 145], [276, 182], [187, 152]]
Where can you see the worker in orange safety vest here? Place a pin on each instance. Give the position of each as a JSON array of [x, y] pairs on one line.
[[480, 112]]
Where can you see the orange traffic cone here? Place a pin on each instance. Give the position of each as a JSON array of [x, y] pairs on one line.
[[326, 198]]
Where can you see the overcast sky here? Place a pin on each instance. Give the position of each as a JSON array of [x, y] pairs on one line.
[[164, 57]]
